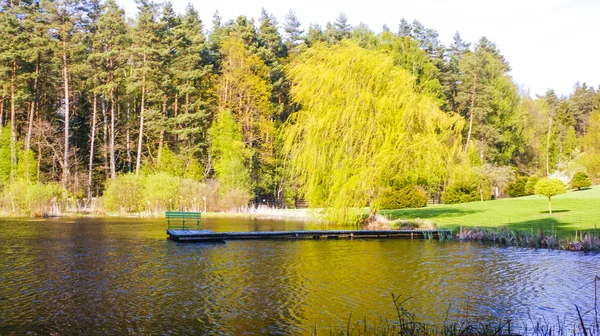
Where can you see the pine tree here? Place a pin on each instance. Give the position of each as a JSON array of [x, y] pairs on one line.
[[314, 35], [342, 27], [488, 99], [146, 39], [404, 28], [450, 76], [291, 27], [109, 45], [245, 89], [192, 73], [16, 55]]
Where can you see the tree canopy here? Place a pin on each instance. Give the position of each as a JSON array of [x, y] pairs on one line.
[[550, 187], [362, 126], [250, 104]]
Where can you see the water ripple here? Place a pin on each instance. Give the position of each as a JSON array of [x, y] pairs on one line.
[[123, 277]]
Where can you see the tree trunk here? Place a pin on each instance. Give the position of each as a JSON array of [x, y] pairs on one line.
[[161, 138], [548, 143], [112, 135], [1, 114], [175, 113], [141, 134], [127, 135], [91, 162], [104, 135], [13, 126], [549, 205], [66, 87], [471, 111], [33, 105]]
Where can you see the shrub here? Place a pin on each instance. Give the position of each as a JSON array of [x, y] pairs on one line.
[[517, 187], [550, 187], [125, 194], [235, 198], [530, 185], [461, 192], [24, 197], [161, 192], [410, 196], [581, 180]]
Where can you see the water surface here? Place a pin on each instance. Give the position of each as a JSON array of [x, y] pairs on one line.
[[121, 276]]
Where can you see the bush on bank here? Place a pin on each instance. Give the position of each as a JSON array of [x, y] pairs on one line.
[[410, 196], [32, 199], [159, 192]]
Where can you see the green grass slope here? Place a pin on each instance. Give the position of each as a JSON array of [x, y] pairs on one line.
[[575, 210]]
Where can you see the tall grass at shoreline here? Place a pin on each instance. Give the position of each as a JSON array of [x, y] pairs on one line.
[[583, 241], [407, 324]]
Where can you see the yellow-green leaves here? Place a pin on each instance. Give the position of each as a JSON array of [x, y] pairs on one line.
[[361, 127]]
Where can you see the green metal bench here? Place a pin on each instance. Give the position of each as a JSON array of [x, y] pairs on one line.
[[177, 220]]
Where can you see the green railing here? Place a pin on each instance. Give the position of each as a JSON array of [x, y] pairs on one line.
[[183, 220]]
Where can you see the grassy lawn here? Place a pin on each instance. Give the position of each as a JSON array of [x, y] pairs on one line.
[[575, 210]]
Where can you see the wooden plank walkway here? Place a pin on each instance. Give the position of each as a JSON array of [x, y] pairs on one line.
[[209, 236]]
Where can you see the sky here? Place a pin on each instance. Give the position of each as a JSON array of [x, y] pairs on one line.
[[549, 44]]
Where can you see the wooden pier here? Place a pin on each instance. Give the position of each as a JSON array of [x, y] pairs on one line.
[[209, 236]]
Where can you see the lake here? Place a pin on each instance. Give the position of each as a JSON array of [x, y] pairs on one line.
[[121, 276]]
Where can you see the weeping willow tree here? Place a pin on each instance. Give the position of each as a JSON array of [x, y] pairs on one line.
[[361, 127]]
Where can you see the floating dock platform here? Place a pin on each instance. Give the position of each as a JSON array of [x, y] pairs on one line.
[[209, 236]]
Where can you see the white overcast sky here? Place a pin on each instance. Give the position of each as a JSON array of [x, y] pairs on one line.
[[550, 44]]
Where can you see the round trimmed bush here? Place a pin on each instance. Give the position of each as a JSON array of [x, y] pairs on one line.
[[580, 180], [460, 193], [517, 188], [410, 196]]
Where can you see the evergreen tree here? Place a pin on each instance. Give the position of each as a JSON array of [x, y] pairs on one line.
[[110, 43], [314, 35], [488, 99], [146, 43], [291, 27], [404, 28], [245, 89], [450, 77], [192, 75]]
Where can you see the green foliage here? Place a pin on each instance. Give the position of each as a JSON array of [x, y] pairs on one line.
[[26, 163], [580, 180], [489, 177], [461, 192], [34, 199], [229, 152], [517, 187], [530, 185], [5, 155], [170, 163], [410, 196], [591, 145], [550, 187], [361, 126], [161, 191], [124, 193], [159, 82]]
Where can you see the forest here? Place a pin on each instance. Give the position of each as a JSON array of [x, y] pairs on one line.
[[100, 112]]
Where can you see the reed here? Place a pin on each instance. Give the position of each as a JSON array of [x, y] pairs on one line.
[[406, 324], [583, 241]]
